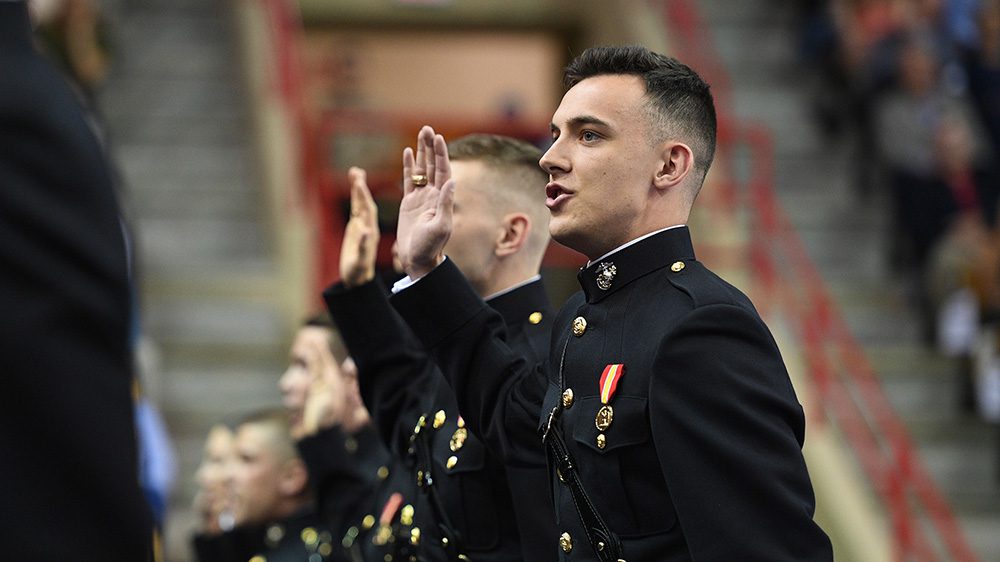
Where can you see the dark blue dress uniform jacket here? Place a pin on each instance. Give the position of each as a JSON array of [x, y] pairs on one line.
[[499, 511], [702, 460], [68, 459]]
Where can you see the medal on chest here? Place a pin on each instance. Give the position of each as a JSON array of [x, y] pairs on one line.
[[606, 414]]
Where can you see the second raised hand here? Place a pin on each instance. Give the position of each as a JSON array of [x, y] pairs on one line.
[[360, 245], [425, 212]]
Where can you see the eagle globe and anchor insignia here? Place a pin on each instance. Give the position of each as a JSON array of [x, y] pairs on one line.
[[606, 272]]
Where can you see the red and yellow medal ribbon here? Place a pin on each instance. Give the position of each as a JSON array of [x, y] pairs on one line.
[[609, 381]]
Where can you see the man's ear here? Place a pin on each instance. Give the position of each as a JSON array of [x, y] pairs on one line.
[[294, 478], [514, 234], [677, 162]]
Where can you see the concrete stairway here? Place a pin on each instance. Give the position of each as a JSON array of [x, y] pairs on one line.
[[179, 130], [846, 236]]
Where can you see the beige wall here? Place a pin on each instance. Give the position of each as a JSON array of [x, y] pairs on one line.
[[458, 73]]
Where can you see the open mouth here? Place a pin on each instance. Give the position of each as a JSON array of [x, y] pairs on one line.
[[555, 194]]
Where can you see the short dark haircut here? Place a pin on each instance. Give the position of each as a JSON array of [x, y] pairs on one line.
[[279, 424], [680, 101], [337, 347]]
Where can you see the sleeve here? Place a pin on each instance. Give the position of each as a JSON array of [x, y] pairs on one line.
[[394, 371], [336, 477], [729, 432], [497, 387]]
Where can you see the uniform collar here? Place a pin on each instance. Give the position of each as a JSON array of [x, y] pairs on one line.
[[521, 303], [630, 262]]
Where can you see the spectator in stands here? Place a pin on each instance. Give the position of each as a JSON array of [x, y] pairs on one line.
[[908, 125], [983, 69]]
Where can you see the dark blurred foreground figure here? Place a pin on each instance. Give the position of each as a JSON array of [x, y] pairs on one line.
[[67, 434]]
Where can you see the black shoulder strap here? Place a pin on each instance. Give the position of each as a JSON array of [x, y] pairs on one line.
[[606, 544]]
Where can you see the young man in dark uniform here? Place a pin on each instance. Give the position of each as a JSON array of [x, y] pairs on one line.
[[463, 503], [670, 420], [348, 465]]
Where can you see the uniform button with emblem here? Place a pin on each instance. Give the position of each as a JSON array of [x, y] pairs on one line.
[[579, 326], [567, 398], [368, 522], [439, 419], [406, 515], [452, 461], [677, 266], [535, 317], [566, 543], [602, 441], [415, 536], [458, 439], [382, 472], [258, 558]]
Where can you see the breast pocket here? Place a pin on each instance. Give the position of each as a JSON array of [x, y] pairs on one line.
[[619, 466], [465, 485]]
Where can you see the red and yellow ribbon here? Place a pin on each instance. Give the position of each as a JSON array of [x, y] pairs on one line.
[[609, 381]]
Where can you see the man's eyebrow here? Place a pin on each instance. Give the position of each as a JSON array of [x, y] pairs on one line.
[[582, 120]]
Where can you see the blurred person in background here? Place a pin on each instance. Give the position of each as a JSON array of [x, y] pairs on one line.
[[213, 499], [349, 467], [983, 68], [931, 153], [272, 506], [69, 438]]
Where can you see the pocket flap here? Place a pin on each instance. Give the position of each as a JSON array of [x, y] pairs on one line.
[[629, 424]]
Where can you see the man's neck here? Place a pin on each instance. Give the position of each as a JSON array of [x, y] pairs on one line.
[[632, 241]]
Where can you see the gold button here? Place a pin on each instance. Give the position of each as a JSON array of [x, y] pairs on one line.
[[566, 543], [406, 515], [258, 558], [579, 326], [677, 266], [444, 541], [368, 522], [439, 418], [458, 439], [452, 461], [415, 535], [309, 536], [535, 318], [567, 398], [382, 472], [602, 441], [325, 549]]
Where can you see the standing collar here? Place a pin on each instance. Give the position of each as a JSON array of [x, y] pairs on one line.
[[519, 303], [617, 269]]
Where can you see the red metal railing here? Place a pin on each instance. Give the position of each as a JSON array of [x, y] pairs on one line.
[[847, 387]]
